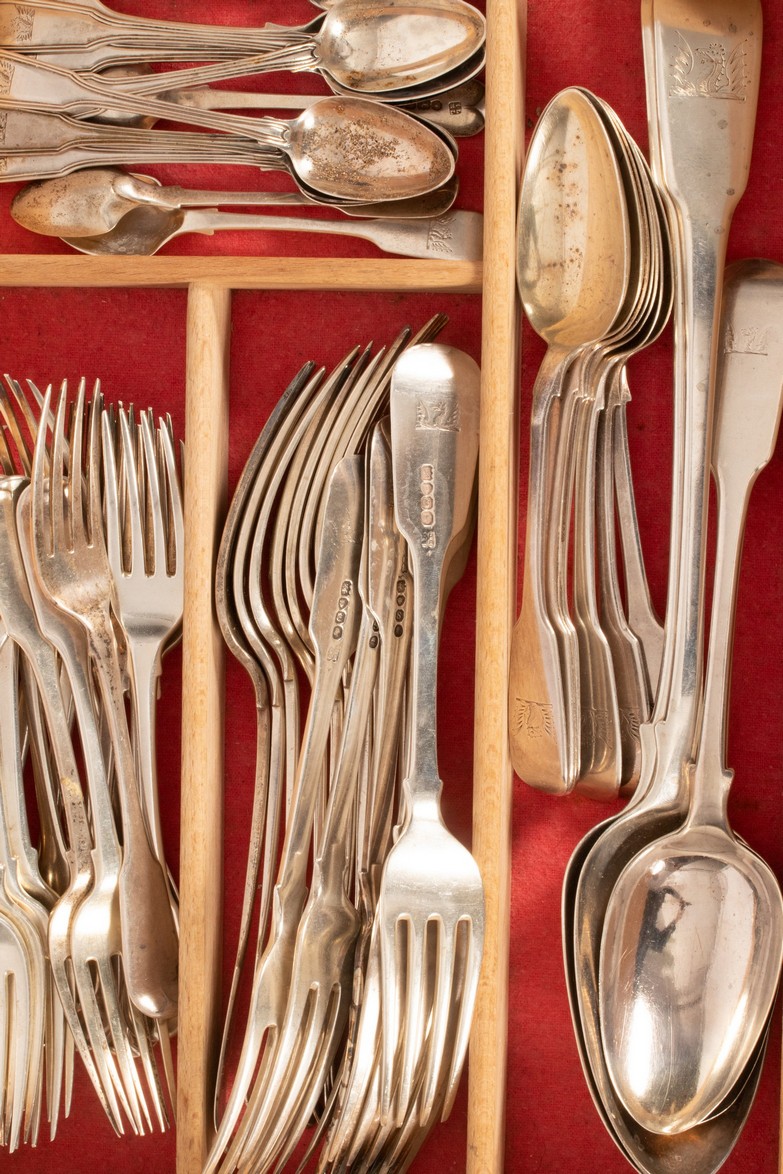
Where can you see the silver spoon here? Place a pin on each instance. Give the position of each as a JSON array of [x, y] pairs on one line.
[[573, 271], [146, 229], [387, 154], [94, 201], [364, 46], [694, 926], [459, 110]]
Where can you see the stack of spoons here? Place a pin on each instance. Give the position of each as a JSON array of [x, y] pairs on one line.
[[78, 92], [672, 926]]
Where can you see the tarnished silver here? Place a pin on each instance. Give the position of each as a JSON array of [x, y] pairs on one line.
[[573, 289], [694, 927], [72, 563], [334, 628], [388, 154], [95, 200], [367, 47], [455, 236]]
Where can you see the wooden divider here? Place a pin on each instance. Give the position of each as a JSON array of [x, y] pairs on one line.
[[201, 850], [496, 577]]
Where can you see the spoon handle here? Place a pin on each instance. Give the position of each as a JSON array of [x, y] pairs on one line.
[[749, 397], [456, 235], [703, 159]]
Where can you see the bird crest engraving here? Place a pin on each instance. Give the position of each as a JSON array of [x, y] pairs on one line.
[[6, 76], [23, 23], [442, 415], [534, 719], [440, 235], [710, 72], [596, 728], [747, 340], [629, 723]]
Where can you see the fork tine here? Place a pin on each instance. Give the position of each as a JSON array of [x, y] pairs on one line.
[[95, 506], [76, 502], [176, 528], [133, 515], [390, 1014], [414, 1011], [472, 968], [111, 496], [441, 1002], [11, 420], [155, 506]]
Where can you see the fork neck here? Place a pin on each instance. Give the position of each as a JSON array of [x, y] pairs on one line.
[[422, 777]]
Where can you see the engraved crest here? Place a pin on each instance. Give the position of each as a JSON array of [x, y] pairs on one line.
[[595, 730], [747, 340], [442, 415], [440, 235], [629, 723], [534, 719], [709, 72], [6, 76], [23, 23]]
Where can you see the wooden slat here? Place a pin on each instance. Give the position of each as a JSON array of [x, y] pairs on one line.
[[201, 852], [290, 273], [495, 589]]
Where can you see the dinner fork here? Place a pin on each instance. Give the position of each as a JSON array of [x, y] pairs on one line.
[[93, 935], [73, 566], [431, 902], [147, 577]]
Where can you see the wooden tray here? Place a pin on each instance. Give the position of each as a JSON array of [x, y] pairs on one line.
[[209, 281]]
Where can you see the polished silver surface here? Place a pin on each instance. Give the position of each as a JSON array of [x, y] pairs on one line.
[[693, 935]]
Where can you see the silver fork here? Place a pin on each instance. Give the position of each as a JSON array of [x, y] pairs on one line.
[[147, 571], [94, 932], [431, 902], [73, 565]]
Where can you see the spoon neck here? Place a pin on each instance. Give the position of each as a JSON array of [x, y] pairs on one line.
[[709, 783], [697, 314], [732, 512]]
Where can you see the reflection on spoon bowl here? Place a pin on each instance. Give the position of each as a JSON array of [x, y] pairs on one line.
[[692, 948]]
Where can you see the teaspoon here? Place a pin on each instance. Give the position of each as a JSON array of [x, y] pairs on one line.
[[146, 229], [93, 201]]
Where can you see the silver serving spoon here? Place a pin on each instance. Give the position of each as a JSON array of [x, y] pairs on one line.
[[693, 936], [365, 46], [95, 200], [143, 231]]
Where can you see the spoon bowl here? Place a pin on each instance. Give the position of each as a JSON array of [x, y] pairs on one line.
[[94, 201], [689, 971]]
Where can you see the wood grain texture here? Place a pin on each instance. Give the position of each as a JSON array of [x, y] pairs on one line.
[[495, 588], [291, 273], [201, 851]]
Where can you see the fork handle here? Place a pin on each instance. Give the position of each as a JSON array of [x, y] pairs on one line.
[[149, 938]]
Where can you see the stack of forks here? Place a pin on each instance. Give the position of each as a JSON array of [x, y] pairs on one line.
[[365, 974], [90, 598]]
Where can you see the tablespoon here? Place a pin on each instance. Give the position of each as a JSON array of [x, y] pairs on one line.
[[456, 236], [363, 45], [679, 133], [572, 271], [694, 926], [94, 200]]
